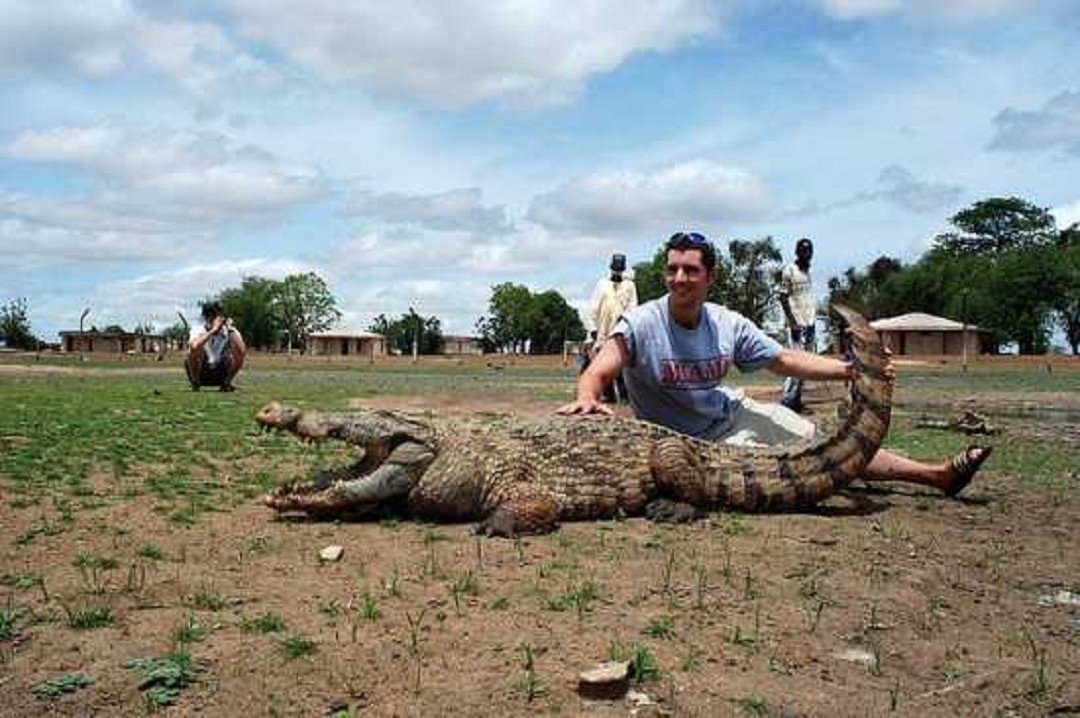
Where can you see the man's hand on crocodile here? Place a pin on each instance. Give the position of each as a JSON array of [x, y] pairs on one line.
[[586, 406]]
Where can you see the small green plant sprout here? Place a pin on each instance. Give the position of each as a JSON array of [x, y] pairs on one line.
[[531, 684], [873, 667], [368, 607], [21, 581], [737, 524], [415, 625], [1039, 688], [750, 589], [692, 660], [500, 603], [700, 573], [580, 598], [950, 668], [188, 632], [87, 618], [643, 666], [265, 623], [94, 571], [391, 585], [67, 683], [297, 646], [667, 573], [894, 697], [754, 705], [43, 528], [814, 610], [331, 609], [660, 627], [150, 552], [463, 585], [9, 616], [163, 678], [207, 598]]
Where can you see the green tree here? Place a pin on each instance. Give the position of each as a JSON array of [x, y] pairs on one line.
[[1067, 301], [253, 307], [505, 326], [15, 325], [551, 321], [178, 332], [868, 291], [753, 277], [402, 332], [998, 224], [517, 317], [305, 305]]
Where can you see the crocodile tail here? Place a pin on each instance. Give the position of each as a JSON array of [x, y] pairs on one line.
[[716, 475]]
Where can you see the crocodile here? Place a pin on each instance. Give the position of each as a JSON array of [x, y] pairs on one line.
[[517, 475]]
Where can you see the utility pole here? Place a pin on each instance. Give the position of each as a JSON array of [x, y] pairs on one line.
[[416, 334], [964, 333], [82, 318]]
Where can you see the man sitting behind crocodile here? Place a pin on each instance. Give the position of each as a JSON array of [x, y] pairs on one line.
[[675, 351]]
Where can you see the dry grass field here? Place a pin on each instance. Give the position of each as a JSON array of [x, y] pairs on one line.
[[139, 573]]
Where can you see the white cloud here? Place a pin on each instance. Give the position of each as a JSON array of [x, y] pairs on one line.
[[905, 190], [1057, 124], [157, 194], [380, 253], [65, 38], [458, 209], [459, 52], [697, 194], [156, 297], [957, 10], [1066, 215]]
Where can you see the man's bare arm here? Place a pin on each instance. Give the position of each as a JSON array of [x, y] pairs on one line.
[[601, 372], [807, 365]]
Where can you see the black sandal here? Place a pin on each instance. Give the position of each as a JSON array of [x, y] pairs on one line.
[[965, 465]]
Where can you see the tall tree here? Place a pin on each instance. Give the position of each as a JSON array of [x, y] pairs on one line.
[[754, 277], [551, 321], [253, 307], [401, 333], [15, 325], [305, 305], [178, 332], [517, 317], [1067, 302], [505, 326], [999, 224]]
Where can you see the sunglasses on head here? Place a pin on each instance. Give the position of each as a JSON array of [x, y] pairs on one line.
[[688, 237]]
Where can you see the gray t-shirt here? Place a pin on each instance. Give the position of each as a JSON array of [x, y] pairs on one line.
[[674, 375]]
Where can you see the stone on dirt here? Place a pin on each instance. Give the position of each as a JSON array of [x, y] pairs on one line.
[[331, 553], [607, 680]]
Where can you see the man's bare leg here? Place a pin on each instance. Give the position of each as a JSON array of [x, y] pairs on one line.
[[237, 352], [194, 365], [887, 466]]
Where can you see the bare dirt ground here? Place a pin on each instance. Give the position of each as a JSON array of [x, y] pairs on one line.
[[885, 601]]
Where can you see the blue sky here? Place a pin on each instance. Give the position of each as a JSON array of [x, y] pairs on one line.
[[414, 154]]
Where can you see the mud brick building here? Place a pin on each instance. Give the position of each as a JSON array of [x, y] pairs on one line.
[[926, 334]]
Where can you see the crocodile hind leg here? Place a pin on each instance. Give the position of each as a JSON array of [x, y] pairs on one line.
[[522, 509], [392, 480]]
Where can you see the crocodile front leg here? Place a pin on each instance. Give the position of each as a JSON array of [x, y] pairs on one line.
[[521, 509], [392, 480]]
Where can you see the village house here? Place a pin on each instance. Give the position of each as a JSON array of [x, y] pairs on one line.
[[346, 342], [116, 342], [460, 344], [927, 334]]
